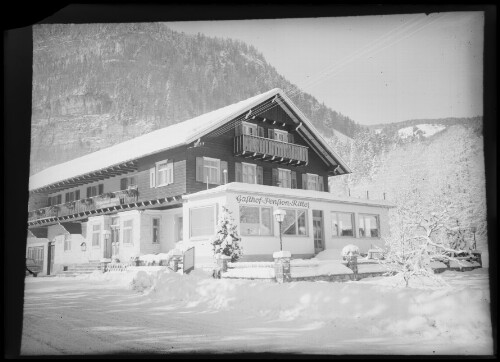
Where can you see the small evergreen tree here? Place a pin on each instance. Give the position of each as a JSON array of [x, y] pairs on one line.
[[226, 239]]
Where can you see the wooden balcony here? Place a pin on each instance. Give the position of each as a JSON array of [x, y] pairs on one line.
[[106, 200], [270, 150]]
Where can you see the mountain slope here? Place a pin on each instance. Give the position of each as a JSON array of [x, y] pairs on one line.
[[97, 85]]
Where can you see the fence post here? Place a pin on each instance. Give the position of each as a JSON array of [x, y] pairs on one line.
[[222, 261], [282, 266], [176, 258], [352, 263]]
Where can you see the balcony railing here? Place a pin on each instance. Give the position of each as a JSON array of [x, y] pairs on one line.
[[109, 199], [269, 149]]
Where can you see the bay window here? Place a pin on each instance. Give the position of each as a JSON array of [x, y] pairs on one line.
[[255, 220]]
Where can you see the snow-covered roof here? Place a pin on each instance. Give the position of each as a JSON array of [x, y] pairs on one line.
[[274, 191], [160, 140]]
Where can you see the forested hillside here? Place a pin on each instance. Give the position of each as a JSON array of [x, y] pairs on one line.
[[97, 85]]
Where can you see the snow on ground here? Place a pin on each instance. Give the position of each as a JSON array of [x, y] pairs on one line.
[[156, 310]]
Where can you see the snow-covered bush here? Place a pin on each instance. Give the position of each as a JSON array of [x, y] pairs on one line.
[[226, 239], [349, 250]]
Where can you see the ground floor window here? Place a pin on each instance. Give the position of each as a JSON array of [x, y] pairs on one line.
[[295, 222], [36, 253], [96, 235], [156, 230], [67, 243], [342, 224], [369, 226], [128, 226], [179, 228], [202, 221], [255, 220]]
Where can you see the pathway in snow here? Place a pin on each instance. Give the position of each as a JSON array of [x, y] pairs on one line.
[[85, 316]]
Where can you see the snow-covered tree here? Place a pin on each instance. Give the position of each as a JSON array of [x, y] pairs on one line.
[[418, 238], [226, 239]]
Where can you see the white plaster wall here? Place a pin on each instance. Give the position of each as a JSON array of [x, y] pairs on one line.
[[73, 256], [255, 245]]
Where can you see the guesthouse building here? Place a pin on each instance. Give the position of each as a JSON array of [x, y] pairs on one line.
[[164, 190]]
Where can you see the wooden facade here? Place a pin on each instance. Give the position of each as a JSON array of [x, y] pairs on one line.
[[228, 143]]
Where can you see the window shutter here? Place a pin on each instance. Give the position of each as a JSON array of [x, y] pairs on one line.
[[89, 192], [199, 169], [260, 175], [238, 172], [238, 130], [291, 138], [152, 177], [304, 181], [321, 184], [275, 177], [294, 180], [66, 197], [101, 189], [77, 194], [223, 166], [59, 199], [260, 131], [50, 201], [123, 183], [170, 171], [270, 133]]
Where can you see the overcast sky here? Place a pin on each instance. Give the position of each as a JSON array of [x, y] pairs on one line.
[[373, 69]]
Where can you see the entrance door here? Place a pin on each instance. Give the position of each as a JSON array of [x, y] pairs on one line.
[[115, 236], [319, 242]]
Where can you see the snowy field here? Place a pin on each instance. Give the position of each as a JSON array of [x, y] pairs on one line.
[[154, 310]]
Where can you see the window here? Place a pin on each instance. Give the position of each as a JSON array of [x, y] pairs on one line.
[[202, 221], [211, 170], [284, 178], [128, 182], [249, 129], [368, 226], [127, 231], [156, 230], [67, 242], [179, 228], [249, 173], [342, 224], [95, 190], [312, 181], [164, 173], [255, 220], [281, 135], [96, 235], [295, 222]]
